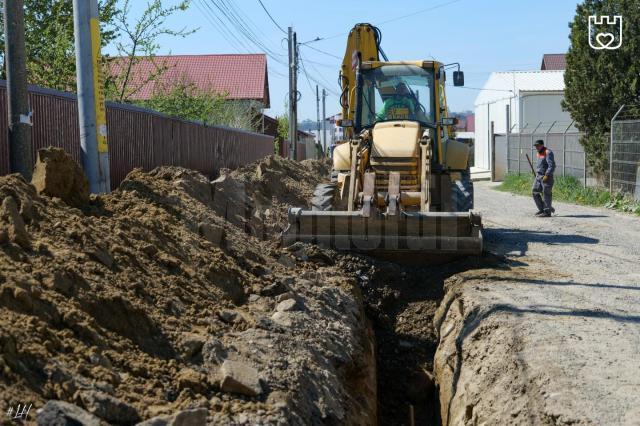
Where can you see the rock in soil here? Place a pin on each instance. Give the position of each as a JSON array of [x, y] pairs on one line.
[[109, 408], [239, 377], [60, 413], [13, 228], [195, 417], [56, 174], [287, 305]]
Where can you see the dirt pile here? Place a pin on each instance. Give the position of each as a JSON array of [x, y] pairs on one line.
[[153, 299], [256, 197], [57, 175], [478, 364]]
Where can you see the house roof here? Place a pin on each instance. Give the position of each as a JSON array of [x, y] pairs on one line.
[[553, 61], [471, 123], [241, 76], [504, 85]]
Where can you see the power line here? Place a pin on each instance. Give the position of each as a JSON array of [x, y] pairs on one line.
[[391, 20], [231, 18], [240, 18], [429, 9], [271, 17], [279, 74], [315, 80], [324, 83], [304, 70], [237, 43], [323, 52], [242, 33], [322, 64], [248, 19], [229, 11], [232, 29], [482, 89], [220, 26]]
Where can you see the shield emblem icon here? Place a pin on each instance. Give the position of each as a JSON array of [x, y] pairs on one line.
[[605, 32]]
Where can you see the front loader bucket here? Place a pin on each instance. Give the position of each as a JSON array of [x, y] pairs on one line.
[[438, 233]]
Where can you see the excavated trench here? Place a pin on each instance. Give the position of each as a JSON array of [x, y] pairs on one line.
[[154, 249], [401, 302]]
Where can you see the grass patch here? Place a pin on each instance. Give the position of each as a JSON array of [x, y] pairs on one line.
[[570, 190]]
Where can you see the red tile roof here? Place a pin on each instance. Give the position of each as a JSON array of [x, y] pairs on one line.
[[240, 76], [471, 123], [553, 61]]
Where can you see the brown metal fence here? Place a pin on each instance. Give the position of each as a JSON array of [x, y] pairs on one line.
[[301, 154], [137, 137]]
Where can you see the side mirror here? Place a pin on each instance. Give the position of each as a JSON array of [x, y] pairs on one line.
[[449, 121], [344, 123], [458, 78]]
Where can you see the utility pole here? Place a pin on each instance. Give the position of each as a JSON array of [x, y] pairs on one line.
[[324, 120], [19, 114], [293, 94], [318, 116], [91, 106]]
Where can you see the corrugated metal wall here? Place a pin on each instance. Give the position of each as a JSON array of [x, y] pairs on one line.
[[137, 137]]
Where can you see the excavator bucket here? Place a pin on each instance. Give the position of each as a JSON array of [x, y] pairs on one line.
[[431, 233]]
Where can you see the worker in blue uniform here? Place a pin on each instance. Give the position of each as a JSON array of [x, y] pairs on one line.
[[543, 183]]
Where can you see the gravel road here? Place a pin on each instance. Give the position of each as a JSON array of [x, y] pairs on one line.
[[554, 336]]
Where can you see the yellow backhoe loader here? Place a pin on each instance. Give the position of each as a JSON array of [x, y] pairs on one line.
[[400, 180]]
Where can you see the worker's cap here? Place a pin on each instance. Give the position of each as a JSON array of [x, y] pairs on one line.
[[539, 142]]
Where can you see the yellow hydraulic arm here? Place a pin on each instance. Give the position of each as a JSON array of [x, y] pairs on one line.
[[363, 44]]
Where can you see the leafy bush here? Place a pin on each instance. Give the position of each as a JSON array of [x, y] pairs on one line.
[[185, 100], [570, 189], [624, 204]]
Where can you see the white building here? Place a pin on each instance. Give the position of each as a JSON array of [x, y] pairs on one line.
[[334, 132], [516, 100]]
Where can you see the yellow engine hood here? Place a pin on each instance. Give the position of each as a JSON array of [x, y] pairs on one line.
[[396, 139]]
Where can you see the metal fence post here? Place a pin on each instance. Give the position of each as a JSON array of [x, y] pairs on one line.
[[508, 152], [564, 149], [549, 130], [546, 135], [585, 169], [532, 134], [611, 150], [519, 151]]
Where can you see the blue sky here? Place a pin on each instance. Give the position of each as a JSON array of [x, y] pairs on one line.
[[483, 35]]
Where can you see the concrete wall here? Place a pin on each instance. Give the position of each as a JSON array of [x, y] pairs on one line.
[[542, 107], [495, 112], [525, 111]]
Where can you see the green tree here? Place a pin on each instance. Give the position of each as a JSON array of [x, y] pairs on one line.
[[51, 60], [185, 100], [138, 41], [283, 127], [50, 47], [283, 131], [598, 82]]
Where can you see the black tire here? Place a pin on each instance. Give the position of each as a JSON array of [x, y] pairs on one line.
[[462, 193], [324, 197]]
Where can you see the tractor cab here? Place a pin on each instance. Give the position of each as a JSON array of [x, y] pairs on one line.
[[395, 91]]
